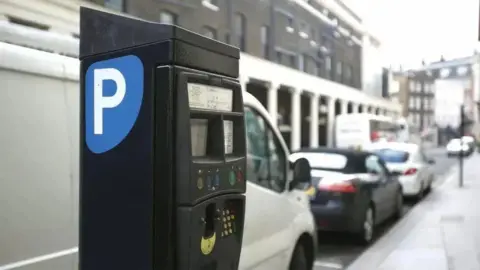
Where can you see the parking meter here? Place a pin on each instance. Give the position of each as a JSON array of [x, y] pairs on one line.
[[162, 152]]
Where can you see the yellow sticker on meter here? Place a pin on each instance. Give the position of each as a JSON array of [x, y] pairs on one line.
[[207, 244], [311, 191]]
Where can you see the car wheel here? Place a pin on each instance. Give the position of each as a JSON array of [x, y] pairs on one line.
[[429, 187], [368, 226], [398, 206], [420, 193], [299, 259]]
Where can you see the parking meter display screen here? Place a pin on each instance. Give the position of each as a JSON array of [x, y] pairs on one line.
[[228, 136], [212, 98], [198, 133]]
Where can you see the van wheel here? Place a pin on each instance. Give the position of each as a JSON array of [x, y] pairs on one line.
[[299, 258]]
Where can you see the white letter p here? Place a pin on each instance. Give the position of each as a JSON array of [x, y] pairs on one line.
[[99, 101]]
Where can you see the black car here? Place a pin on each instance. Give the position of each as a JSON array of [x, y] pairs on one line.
[[351, 191]]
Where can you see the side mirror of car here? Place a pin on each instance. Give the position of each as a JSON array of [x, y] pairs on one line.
[[301, 173], [431, 161]]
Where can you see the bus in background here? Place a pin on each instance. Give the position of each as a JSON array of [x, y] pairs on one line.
[[358, 130]]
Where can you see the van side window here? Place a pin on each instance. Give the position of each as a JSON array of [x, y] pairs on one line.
[[266, 160], [278, 166], [257, 158]]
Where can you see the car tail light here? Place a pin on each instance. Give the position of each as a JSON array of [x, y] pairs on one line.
[[410, 171], [343, 187]]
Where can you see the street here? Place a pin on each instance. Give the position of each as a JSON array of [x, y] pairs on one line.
[[337, 251]]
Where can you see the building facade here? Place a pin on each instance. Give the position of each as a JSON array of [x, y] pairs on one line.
[[281, 31], [432, 95], [301, 59]]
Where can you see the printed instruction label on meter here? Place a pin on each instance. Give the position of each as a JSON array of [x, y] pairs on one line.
[[228, 136], [207, 97]]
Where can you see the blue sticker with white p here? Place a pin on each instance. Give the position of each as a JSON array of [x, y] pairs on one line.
[[113, 97]]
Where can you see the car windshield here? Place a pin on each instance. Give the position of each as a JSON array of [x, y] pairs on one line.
[[392, 155], [334, 162], [328, 161]]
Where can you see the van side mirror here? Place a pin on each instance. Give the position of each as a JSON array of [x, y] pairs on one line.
[[431, 161], [301, 173]]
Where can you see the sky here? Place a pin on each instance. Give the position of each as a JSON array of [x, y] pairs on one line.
[[416, 30]]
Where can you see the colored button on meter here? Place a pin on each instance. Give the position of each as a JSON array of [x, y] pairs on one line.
[[231, 178], [239, 176]]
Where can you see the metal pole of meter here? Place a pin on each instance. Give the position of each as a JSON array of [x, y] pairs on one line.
[[462, 131]]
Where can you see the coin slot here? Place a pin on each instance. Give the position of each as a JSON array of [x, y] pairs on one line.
[[209, 220]]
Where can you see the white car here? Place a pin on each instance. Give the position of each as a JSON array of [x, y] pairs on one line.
[[279, 226], [409, 162], [457, 147]]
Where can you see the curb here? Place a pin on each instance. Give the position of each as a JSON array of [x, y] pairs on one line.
[[372, 257]]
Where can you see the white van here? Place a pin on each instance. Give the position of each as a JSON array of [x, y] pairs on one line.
[[279, 227], [358, 130], [39, 114]]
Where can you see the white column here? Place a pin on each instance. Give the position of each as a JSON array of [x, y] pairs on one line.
[[314, 100], [243, 82], [296, 134], [355, 108], [343, 107], [331, 120], [272, 101]]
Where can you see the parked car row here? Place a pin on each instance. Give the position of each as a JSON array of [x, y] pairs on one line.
[[293, 196], [355, 190]]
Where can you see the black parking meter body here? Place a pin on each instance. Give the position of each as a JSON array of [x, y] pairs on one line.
[[162, 148]]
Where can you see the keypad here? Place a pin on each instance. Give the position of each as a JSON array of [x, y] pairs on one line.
[[228, 223]]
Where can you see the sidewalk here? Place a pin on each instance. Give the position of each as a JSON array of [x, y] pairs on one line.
[[440, 233]]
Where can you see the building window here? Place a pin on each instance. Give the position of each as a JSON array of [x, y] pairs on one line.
[[118, 5], [240, 29], [209, 32], [301, 62], [279, 57], [411, 103], [419, 103], [411, 86], [339, 70], [328, 66], [292, 61], [168, 17], [348, 74], [265, 39], [326, 44], [286, 58], [418, 87]]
